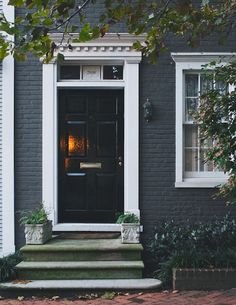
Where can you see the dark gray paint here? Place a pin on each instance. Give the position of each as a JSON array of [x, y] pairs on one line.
[[159, 198]]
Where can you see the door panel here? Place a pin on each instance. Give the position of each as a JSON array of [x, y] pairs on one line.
[[91, 140]]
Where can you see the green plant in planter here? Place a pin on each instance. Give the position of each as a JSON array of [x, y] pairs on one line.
[[38, 228], [130, 228], [128, 218], [37, 216]]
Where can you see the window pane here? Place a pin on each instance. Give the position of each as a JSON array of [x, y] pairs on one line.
[[191, 85], [191, 160], [207, 143], [112, 72], [191, 136], [206, 83], [190, 108], [222, 86], [205, 166], [69, 72]]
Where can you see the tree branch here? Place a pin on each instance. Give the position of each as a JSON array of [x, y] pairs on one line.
[[80, 8]]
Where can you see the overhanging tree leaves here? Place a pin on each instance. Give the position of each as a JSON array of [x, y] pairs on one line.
[[156, 18], [217, 118]]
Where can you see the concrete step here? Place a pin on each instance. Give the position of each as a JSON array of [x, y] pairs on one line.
[[54, 270], [82, 250], [72, 287]]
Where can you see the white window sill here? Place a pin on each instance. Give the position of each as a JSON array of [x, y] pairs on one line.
[[200, 183]]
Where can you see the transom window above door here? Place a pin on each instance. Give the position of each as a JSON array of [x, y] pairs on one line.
[[72, 71]]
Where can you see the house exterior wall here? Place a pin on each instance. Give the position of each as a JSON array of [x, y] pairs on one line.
[[159, 199], [28, 138]]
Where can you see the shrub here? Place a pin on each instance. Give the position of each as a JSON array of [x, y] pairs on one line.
[[7, 266], [203, 245]]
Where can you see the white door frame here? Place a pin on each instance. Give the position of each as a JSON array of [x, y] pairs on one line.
[[111, 49]]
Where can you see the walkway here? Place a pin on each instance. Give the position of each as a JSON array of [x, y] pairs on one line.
[[227, 297]]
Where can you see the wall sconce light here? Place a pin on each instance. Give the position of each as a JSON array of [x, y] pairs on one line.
[[148, 110]]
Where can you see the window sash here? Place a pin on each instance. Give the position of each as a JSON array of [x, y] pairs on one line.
[[193, 152]]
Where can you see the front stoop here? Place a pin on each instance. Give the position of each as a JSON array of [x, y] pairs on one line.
[[81, 259], [69, 265]]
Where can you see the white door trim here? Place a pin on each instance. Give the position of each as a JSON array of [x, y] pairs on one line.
[[99, 54]]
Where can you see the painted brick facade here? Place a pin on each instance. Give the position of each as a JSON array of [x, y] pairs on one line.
[[28, 138], [158, 197]]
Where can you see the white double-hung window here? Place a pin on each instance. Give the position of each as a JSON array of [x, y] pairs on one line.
[[191, 168]]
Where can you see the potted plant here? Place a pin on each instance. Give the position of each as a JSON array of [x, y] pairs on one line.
[[38, 228], [130, 228]]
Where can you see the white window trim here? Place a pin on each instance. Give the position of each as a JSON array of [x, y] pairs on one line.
[[8, 214], [188, 62], [112, 49]]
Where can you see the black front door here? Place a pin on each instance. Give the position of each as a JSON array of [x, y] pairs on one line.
[[91, 149]]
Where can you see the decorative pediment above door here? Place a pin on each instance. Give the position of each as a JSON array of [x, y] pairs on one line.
[[111, 46]]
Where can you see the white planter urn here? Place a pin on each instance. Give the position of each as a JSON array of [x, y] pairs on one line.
[[38, 234], [130, 233]]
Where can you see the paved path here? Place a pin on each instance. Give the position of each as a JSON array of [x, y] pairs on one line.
[[227, 297]]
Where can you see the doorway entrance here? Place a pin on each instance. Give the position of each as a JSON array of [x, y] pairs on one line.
[[90, 155]]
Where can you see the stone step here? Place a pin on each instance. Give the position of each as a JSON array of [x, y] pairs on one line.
[[82, 250], [73, 287], [80, 270]]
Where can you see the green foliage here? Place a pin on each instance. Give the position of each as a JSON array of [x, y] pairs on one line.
[[156, 18], [128, 218], [38, 216], [217, 118], [203, 245], [7, 266]]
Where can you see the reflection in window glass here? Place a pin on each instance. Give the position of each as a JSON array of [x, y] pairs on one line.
[[112, 72], [191, 160], [191, 85], [191, 107], [206, 83]]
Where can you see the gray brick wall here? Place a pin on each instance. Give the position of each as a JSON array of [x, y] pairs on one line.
[[158, 196], [28, 138]]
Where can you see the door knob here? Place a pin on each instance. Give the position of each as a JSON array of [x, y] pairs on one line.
[[120, 161]]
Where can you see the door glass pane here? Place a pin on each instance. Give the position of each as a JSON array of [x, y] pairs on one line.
[[77, 139], [191, 85]]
